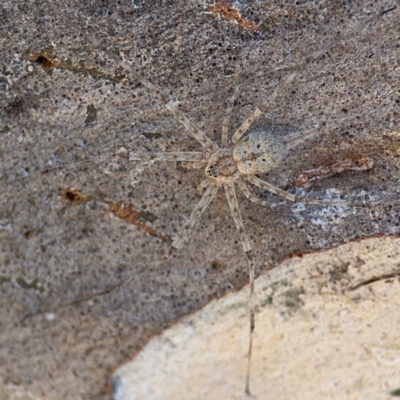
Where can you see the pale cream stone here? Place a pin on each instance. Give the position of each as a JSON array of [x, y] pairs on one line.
[[316, 340]]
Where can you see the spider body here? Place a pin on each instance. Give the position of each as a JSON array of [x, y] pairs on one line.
[[257, 153]]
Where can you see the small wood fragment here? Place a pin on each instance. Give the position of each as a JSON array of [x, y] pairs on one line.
[[304, 179], [120, 209], [48, 62], [130, 215], [228, 12], [74, 196]]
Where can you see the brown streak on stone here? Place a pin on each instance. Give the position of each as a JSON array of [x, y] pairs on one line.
[[304, 179], [230, 13], [73, 196], [129, 214], [49, 62]]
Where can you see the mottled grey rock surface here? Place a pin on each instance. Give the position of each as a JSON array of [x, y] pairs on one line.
[[69, 316]]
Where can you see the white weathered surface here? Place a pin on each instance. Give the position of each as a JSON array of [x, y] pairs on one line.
[[339, 344]]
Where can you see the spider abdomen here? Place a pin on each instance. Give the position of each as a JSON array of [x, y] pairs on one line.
[[258, 152]]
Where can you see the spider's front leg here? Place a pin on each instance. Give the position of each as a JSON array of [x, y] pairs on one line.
[[298, 68], [194, 165], [185, 156]]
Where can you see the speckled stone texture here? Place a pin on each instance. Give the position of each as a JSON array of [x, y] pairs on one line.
[[81, 290]]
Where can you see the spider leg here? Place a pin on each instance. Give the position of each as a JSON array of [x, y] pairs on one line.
[[122, 153], [299, 67], [225, 124], [234, 206], [194, 165], [204, 184], [249, 195], [186, 156], [195, 132], [296, 199], [194, 216], [261, 108], [194, 157], [295, 139]]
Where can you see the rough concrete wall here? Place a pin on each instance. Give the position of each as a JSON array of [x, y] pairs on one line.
[[81, 290]]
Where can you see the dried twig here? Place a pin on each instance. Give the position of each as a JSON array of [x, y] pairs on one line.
[[129, 214], [304, 179], [74, 196], [120, 209]]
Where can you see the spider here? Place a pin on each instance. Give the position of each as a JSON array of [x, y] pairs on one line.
[[236, 162]]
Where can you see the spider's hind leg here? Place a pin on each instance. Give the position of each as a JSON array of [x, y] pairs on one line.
[[294, 139], [234, 206], [249, 195]]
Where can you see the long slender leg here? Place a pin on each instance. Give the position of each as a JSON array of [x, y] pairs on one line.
[[250, 263], [296, 199], [186, 156], [234, 206], [299, 67], [194, 216], [71, 166], [197, 158], [261, 108], [195, 132], [294, 140], [204, 184], [249, 195], [194, 165], [225, 124]]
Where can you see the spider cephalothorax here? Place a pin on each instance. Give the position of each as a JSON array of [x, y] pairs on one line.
[[222, 167]]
